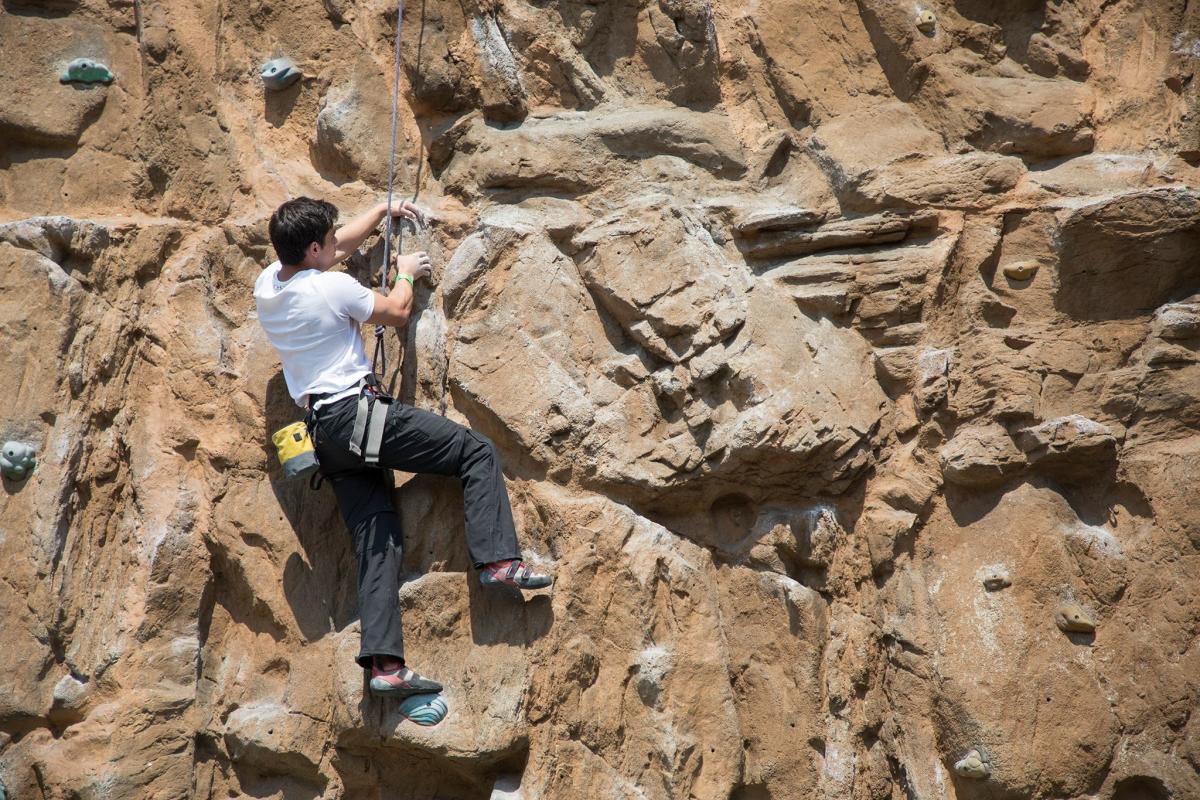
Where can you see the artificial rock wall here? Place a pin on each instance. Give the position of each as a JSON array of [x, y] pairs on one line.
[[842, 356]]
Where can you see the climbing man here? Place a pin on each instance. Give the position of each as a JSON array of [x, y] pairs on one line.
[[312, 317]]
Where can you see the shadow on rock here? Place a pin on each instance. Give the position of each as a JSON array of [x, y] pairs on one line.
[[279, 104], [503, 615], [320, 584]]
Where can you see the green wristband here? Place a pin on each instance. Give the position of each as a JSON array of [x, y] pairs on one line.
[[409, 278]]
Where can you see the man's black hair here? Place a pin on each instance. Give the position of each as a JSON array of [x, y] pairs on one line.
[[298, 223]]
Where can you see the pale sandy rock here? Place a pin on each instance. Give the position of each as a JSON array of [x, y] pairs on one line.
[[352, 139], [1178, 321], [980, 457], [1069, 445], [272, 738], [729, 286], [1098, 173], [975, 180], [836, 235], [572, 151], [855, 147], [39, 109]]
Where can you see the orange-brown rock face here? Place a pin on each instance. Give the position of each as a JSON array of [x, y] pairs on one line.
[[842, 358]]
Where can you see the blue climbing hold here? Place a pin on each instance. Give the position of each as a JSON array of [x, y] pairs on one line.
[[279, 73], [16, 461], [425, 709], [86, 70]]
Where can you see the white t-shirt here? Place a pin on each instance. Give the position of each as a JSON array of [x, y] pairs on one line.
[[312, 320]]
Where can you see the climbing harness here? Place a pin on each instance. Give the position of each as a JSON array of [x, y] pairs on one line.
[[369, 420]]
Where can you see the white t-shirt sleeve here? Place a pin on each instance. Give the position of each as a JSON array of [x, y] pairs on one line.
[[346, 296]]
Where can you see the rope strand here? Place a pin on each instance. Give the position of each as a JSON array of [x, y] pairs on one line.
[[379, 359]]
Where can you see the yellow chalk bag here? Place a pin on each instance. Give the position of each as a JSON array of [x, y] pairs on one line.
[[295, 450]]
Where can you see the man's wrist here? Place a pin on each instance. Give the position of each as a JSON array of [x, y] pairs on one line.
[[403, 276]]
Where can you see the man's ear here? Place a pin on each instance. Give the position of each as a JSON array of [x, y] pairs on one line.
[[311, 252]]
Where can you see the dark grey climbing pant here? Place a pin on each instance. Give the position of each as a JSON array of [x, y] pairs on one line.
[[413, 441]]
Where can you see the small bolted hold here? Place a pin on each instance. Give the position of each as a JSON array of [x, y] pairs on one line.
[[996, 579], [1074, 618], [926, 21], [16, 461], [1021, 270], [973, 765], [86, 70], [279, 73]]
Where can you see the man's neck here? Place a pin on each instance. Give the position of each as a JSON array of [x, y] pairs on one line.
[[288, 271]]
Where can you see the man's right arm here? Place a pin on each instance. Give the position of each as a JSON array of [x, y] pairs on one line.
[[394, 308]]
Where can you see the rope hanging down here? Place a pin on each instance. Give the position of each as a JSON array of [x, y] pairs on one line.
[[379, 359]]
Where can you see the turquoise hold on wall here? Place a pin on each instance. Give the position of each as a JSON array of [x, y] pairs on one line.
[[86, 70], [16, 461], [425, 709], [279, 73]]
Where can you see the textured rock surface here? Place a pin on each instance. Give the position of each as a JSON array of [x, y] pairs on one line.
[[841, 503]]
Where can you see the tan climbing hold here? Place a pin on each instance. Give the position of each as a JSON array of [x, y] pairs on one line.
[[926, 21], [973, 765], [1074, 618], [1021, 270]]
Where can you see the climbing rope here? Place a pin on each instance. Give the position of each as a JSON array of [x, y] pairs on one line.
[[379, 359]]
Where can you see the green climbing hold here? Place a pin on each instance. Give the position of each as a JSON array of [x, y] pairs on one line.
[[279, 73], [926, 22], [85, 70], [425, 709], [16, 461]]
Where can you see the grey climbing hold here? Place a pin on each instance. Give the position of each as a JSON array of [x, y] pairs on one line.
[[1073, 618], [86, 70], [1021, 270], [995, 579], [926, 21], [17, 461], [425, 709], [973, 765], [279, 73]]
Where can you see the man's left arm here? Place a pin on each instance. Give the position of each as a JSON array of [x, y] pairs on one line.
[[348, 237]]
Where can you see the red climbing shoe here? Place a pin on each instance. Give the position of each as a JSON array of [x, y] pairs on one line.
[[515, 573], [401, 682]]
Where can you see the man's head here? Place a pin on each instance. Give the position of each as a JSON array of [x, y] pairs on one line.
[[302, 233]]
